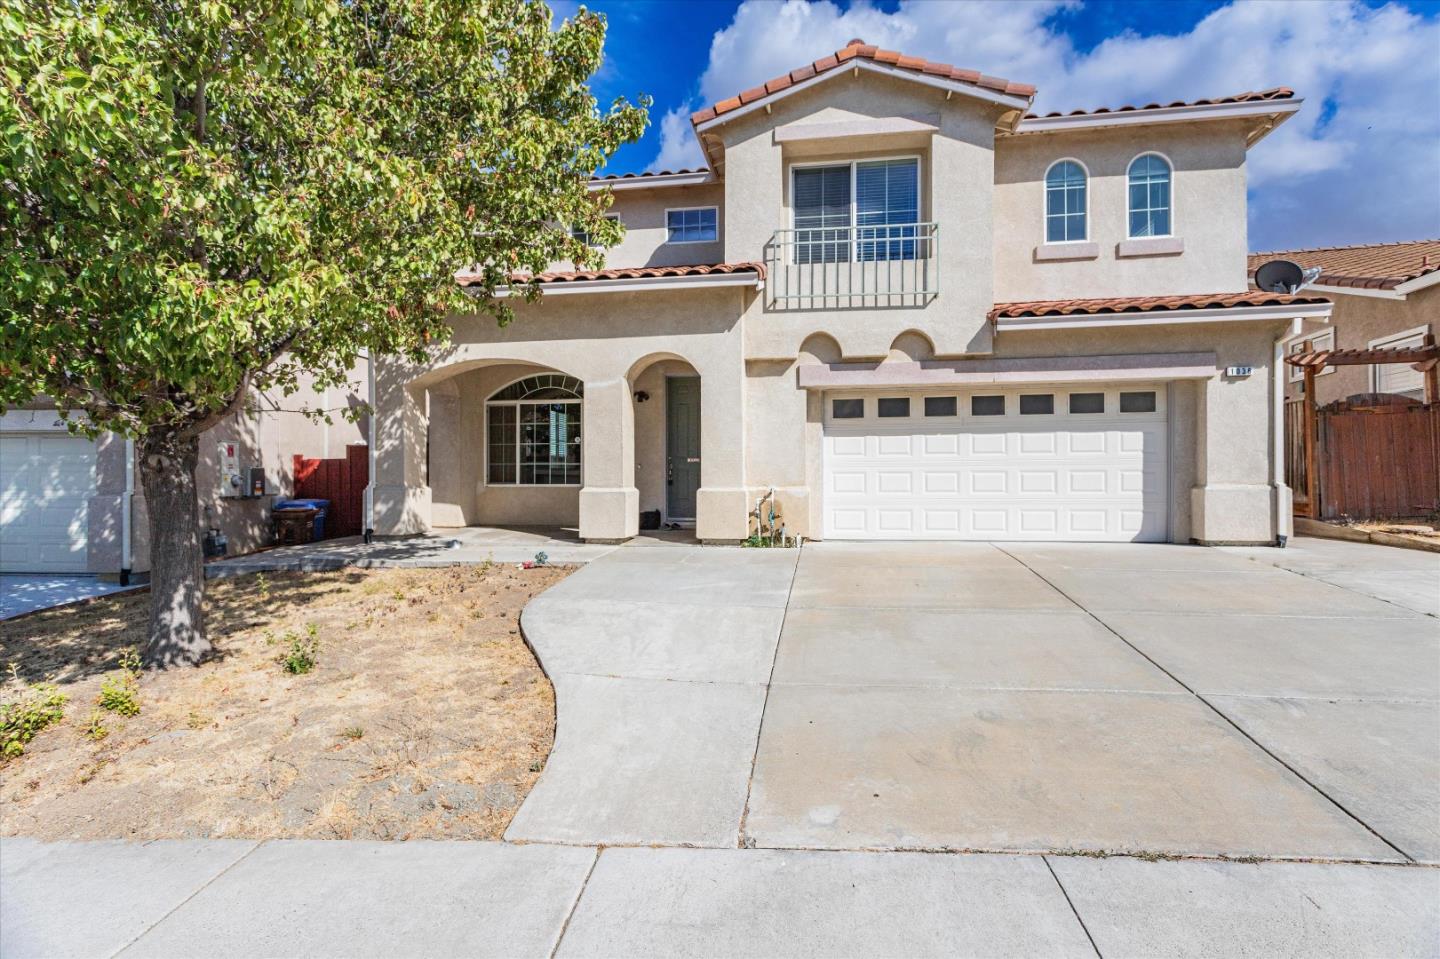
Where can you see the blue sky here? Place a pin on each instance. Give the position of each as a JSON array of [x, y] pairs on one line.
[[1359, 164]]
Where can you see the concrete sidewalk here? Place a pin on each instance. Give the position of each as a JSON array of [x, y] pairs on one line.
[[315, 898]]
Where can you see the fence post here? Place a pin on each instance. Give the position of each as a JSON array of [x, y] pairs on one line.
[[1312, 436]]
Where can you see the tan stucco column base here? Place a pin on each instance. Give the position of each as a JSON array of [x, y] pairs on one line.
[[609, 514], [401, 510], [1233, 514], [722, 514]]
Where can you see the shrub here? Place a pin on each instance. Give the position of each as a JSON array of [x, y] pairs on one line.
[[39, 705], [302, 652], [96, 729], [120, 692]]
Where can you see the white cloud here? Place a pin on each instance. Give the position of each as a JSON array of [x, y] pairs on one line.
[[1368, 172], [678, 148]]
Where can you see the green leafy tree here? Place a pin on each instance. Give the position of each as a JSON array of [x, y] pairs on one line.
[[202, 200]]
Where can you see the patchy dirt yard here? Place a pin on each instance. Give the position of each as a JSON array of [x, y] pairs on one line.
[[425, 715]]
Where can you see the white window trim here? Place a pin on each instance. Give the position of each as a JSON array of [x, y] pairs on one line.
[[679, 209], [573, 228], [1045, 202], [853, 164], [1391, 339], [1173, 211], [1319, 340], [518, 403]]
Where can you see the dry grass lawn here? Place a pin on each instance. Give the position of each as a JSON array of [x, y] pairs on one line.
[[426, 716]]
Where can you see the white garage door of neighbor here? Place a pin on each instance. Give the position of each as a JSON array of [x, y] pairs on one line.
[[1080, 464], [46, 481]]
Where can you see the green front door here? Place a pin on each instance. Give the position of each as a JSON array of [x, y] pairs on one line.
[[682, 446]]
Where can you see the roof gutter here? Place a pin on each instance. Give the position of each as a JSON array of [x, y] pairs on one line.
[[1278, 110], [652, 181], [1081, 321], [641, 284]]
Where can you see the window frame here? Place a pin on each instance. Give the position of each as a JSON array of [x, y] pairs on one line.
[[1169, 165], [681, 209], [853, 226], [1322, 340], [516, 404], [1393, 339], [1045, 202], [587, 241]]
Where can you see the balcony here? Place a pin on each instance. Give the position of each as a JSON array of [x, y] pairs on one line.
[[853, 267]]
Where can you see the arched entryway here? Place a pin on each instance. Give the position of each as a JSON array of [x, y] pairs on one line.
[[666, 392]]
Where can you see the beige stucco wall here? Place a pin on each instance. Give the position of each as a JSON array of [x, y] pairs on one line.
[[642, 212], [1358, 320], [610, 342], [957, 177], [1208, 213]]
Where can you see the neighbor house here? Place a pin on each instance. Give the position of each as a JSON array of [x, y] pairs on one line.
[[1385, 295], [905, 303], [74, 505]]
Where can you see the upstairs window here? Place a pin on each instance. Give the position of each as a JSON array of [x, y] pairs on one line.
[[579, 233], [1065, 203], [1149, 196], [692, 225], [863, 211]]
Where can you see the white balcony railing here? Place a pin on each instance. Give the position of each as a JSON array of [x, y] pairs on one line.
[[850, 267]]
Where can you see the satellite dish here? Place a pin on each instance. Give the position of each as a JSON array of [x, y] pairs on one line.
[[1280, 276]]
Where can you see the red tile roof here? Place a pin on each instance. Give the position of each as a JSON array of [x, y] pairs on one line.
[[1149, 304], [632, 273], [1250, 96], [1378, 266], [858, 49], [648, 173]]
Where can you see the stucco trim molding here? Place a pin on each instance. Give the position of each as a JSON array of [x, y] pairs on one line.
[[1028, 369], [1086, 321], [1151, 246], [1047, 252], [859, 127]]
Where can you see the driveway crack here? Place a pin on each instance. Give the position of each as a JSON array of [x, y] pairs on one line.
[[1071, 903], [741, 839]]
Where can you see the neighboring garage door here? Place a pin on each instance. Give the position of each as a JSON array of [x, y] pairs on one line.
[[46, 481], [1035, 464]]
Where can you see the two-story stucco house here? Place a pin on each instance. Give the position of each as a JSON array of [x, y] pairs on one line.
[[906, 304]]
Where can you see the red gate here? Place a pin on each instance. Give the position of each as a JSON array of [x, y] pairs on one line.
[[342, 482]]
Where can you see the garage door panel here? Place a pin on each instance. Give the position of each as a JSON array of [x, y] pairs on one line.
[[46, 482], [1021, 477]]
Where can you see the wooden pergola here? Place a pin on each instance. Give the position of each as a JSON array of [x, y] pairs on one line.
[[1424, 358]]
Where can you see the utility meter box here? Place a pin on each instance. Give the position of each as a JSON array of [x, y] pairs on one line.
[[231, 482]]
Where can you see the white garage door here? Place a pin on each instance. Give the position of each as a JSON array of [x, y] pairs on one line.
[[46, 481], [1035, 464]]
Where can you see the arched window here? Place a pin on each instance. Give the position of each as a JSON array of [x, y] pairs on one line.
[[1149, 196], [532, 432], [1066, 203]]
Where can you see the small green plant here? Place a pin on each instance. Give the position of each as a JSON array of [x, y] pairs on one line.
[[39, 705], [95, 729], [353, 732], [197, 720], [262, 585], [120, 692], [301, 652]]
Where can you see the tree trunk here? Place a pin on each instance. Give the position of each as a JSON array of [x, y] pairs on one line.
[[177, 578]]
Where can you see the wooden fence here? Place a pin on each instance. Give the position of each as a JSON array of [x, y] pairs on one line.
[[1372, 460], [342, 482]]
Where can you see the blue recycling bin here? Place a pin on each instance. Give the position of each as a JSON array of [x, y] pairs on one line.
[[322, 506]]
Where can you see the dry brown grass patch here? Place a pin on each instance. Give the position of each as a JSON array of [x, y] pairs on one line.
[[425, 716]]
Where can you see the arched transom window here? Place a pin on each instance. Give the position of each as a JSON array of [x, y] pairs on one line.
[[533, 432], [1065, 203], [1149, 196]]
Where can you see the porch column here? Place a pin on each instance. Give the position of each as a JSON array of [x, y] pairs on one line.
[[722, 504], [399, 490], [609, 502]]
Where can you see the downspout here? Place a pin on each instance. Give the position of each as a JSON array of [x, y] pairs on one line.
[[370, 449], [127, 505]]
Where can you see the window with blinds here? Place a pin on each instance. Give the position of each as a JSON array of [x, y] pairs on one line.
[[822, 214], [887, 209]]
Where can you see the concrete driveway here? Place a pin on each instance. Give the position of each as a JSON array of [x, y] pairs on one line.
[[1091, 698]]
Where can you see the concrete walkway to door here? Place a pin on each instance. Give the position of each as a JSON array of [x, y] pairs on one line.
[[1151, 700]]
